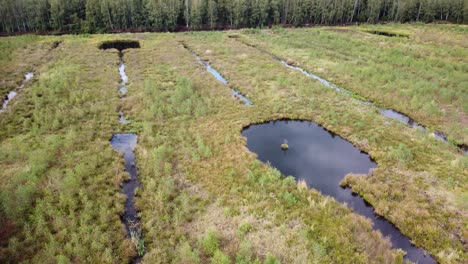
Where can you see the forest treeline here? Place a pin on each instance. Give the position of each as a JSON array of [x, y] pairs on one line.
[[89, 16]]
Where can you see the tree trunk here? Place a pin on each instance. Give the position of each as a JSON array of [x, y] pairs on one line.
[[356, 2], [419, 11]]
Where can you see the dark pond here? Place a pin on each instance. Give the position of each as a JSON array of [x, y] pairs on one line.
[[386, 33], [120, 45], [322, 159], [236, 93]]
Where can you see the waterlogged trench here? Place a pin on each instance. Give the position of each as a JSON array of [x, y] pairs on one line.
[[322, 159], [122, 86], [389, 113], [125, 143], [237, 94], [12, 94]]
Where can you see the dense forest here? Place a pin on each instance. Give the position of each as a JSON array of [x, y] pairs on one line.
[[88, 16]]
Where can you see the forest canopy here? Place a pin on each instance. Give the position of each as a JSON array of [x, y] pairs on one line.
[[90, 16]]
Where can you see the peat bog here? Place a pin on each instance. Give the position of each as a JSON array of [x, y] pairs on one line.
[[198, 177], [125, 144], [235, 93], [390, 113]]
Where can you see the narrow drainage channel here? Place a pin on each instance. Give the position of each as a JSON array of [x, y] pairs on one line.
[[27, 77], [322, 159], [125, 143], [389, 113], [13, 94], [122, 86], [236, 93]]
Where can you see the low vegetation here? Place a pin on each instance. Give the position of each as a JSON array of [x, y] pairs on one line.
[[20, 55], [421, 76], [204, 198]]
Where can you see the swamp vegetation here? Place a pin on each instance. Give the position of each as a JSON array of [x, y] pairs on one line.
[[203, 196]]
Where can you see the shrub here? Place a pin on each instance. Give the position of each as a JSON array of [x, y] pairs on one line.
[[402, 154], [245, 253], [277, 29], [186, 255], [220, 258], [271, 176], [251, 31], [210, 243], [289, 181], [270, 259], [243, 229], [203, 149], [289, 198]]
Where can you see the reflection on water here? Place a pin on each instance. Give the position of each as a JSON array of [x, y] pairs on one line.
[[13, 94], [390, 113], [126, 143], [236, 93], [322, 159], [123, 88]]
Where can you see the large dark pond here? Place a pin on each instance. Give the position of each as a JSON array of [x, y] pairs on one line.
[[322, 159]]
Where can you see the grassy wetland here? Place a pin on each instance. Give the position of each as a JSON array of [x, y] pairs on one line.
[[203, 196]]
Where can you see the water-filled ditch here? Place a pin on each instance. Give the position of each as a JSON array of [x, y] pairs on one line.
[[236, 93], [12, 94], [322, 159], [389, 113], [125, 143]]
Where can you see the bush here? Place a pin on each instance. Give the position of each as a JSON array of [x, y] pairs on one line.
[[402, 154], [251, 31], [270, 259], [289, 198], [210, 243], [220, 258], [277, 29], [186, 255], [245, 253], [243, 229]]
